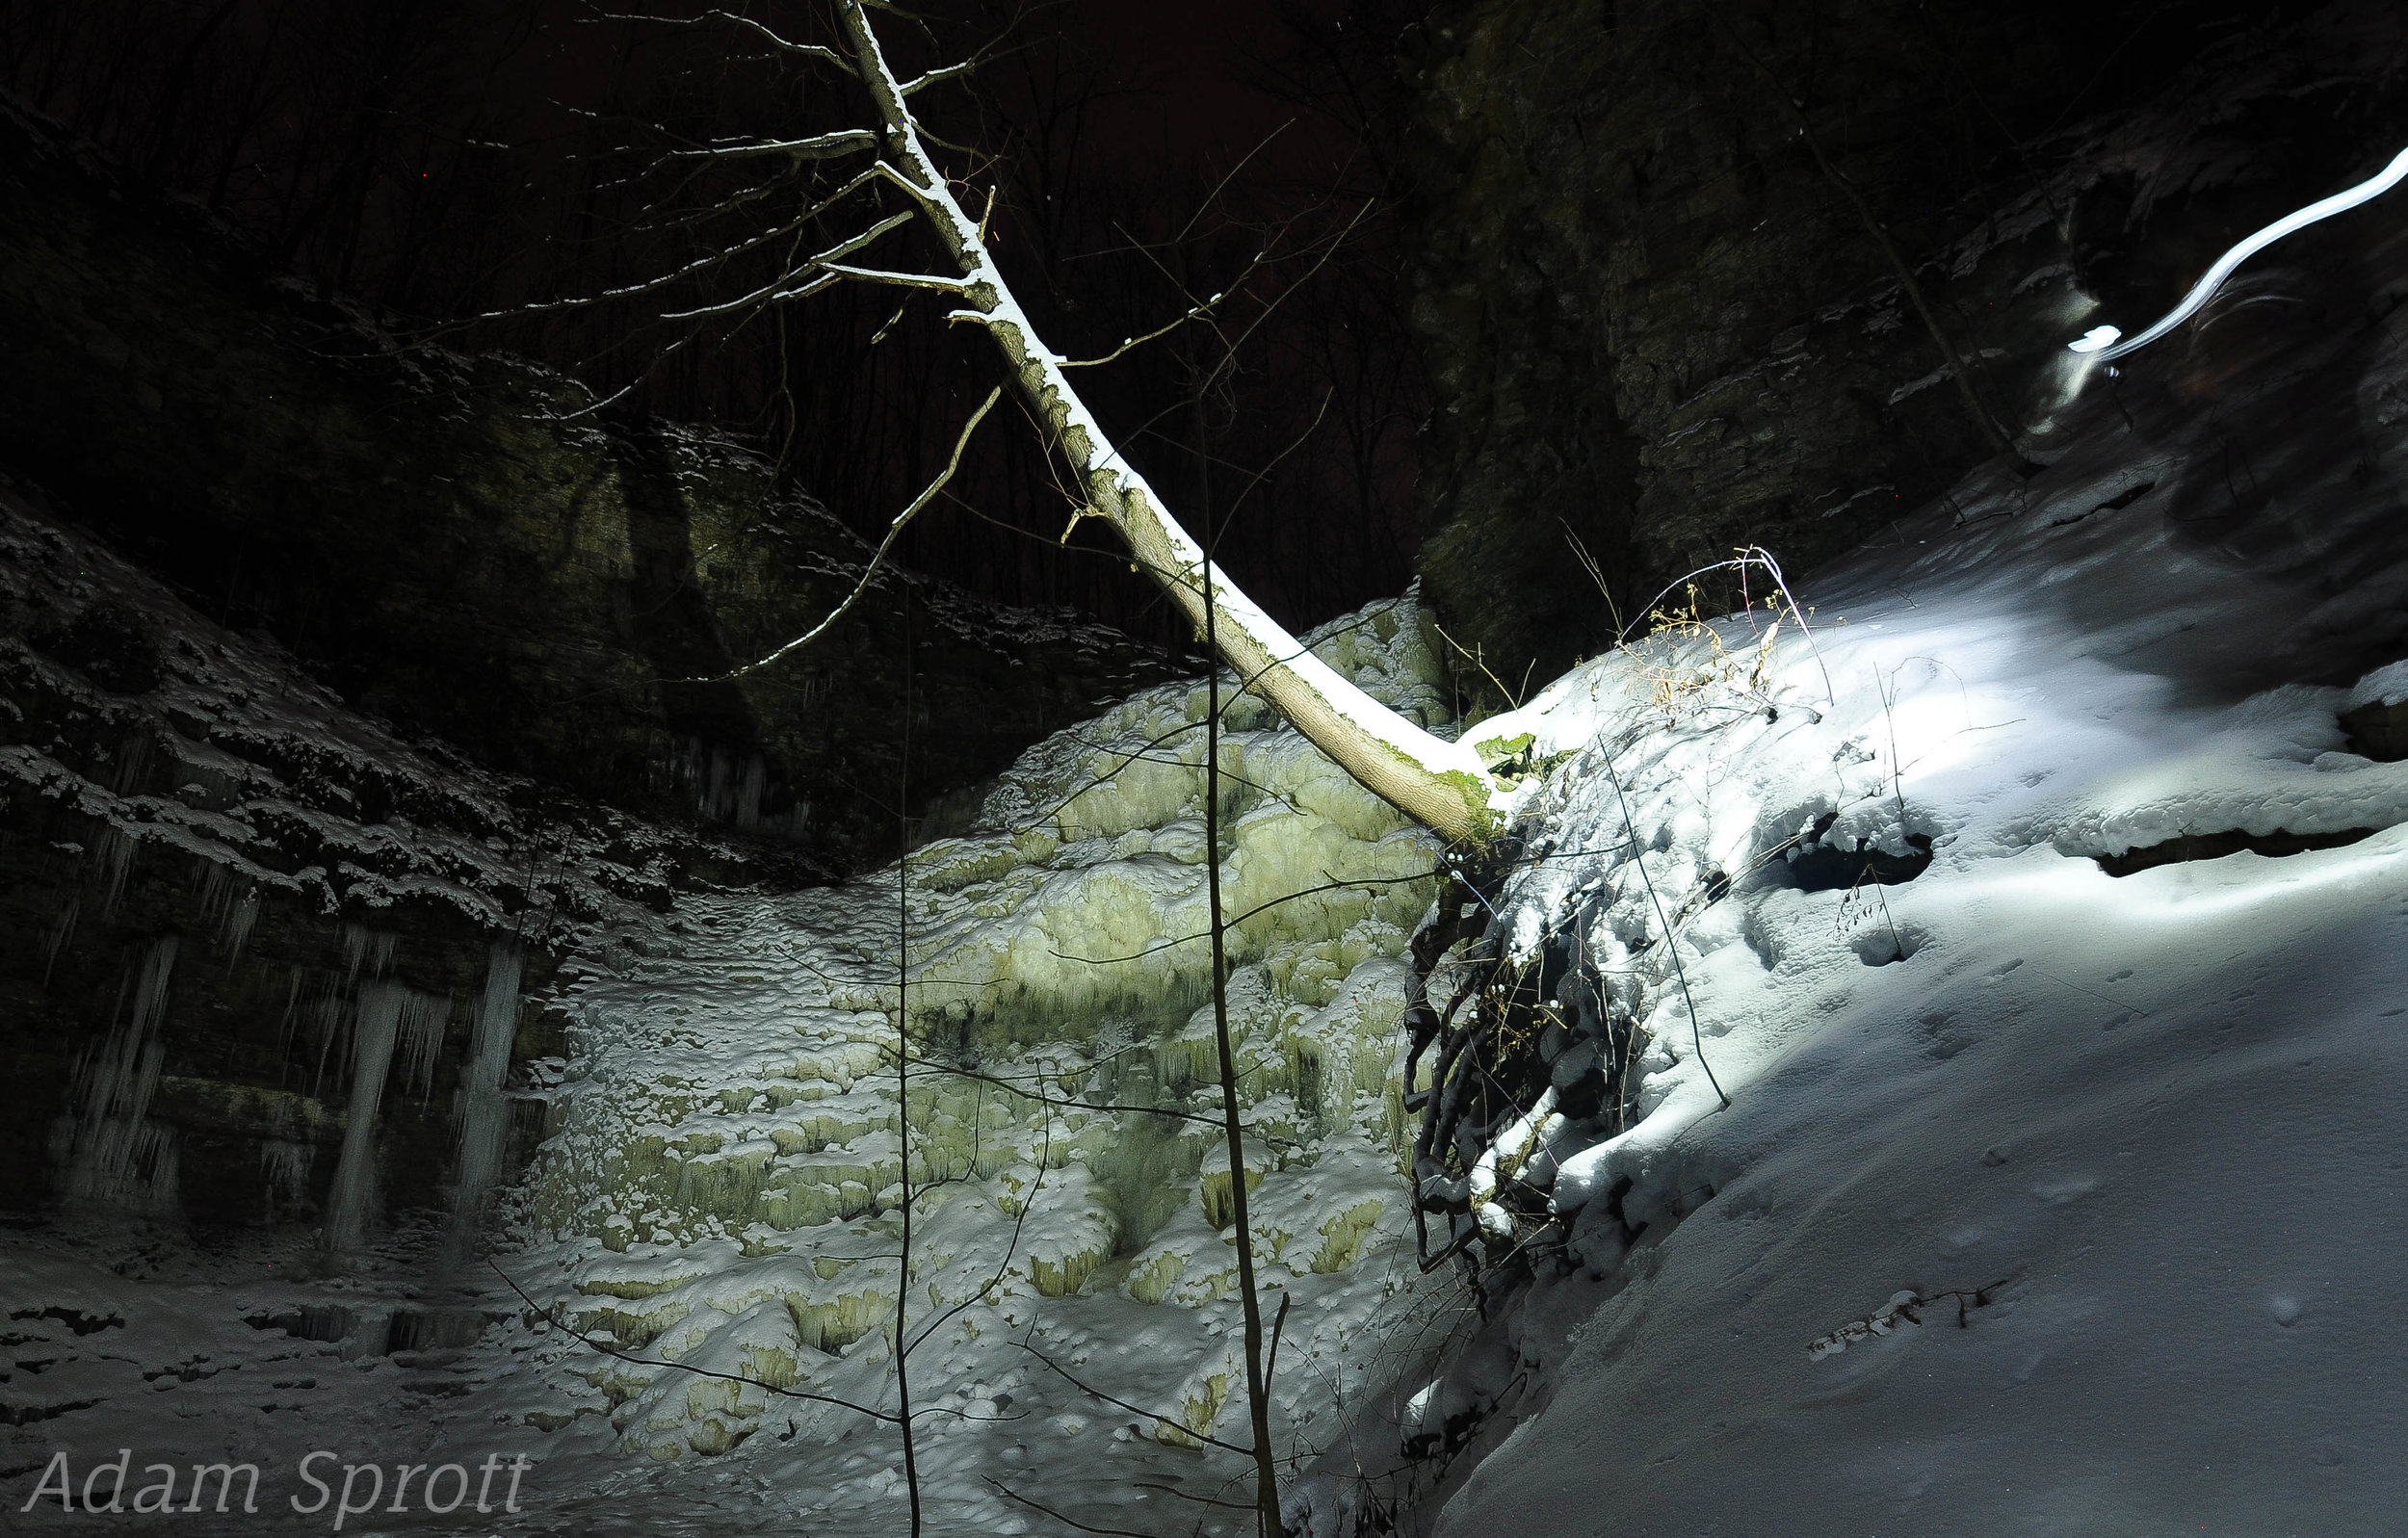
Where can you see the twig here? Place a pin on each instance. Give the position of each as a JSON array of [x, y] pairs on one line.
[[590, 1343], [1010, 1494], [868, 574], [1094, 1392], [1697, 1040], [1271, 1364]]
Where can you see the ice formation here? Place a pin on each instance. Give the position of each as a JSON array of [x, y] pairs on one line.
[[483, 1111], [107, 1148], [722, 1187], [2153, 1106]]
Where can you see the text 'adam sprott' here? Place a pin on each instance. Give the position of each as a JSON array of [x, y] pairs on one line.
[[440, 1488]]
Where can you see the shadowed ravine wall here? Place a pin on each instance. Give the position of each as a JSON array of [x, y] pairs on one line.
[[446, 543], [1653, 322]]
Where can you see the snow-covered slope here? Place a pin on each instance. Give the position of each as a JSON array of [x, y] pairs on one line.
[[724, 1189], [2060, 1190]]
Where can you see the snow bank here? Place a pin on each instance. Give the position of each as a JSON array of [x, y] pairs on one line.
[[2058, 1186], [289, 796]]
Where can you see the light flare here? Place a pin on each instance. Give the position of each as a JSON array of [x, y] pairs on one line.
[[2102, 340]]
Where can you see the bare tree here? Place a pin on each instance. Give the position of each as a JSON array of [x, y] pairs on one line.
[[838, 196], [877, 182]]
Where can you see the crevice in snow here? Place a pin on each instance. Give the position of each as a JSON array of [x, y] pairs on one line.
[[2276, 844], [2377, 730], [1817, 866]]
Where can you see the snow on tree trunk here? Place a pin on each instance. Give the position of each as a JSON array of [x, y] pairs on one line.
[[1442, 785]]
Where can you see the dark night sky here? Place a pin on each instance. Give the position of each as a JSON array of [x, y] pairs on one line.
[[438, 158], [1186, 68]]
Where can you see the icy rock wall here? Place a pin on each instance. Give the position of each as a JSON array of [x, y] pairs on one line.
[[724, 1185], [1649, 317], [169, 789], [459, 545]]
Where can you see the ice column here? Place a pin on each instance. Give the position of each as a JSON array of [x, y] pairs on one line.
[[483, 1111], [424, 1015], [111, 1152], [61, 932], [286, 1165], [372, 1056]]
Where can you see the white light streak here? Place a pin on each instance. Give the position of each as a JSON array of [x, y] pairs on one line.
[[2102, 339]]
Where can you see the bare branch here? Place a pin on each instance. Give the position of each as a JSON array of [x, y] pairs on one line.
[[833, 145], [806, 50], [911, 88], [868, 574], [1156, 334], [1175, 941], [703, 263], [1094, 1392], [590, 1343], [1009, 1086], [1010, 1250], [1010, 1494], [1278, 1325], [873, 274], [822, 263]]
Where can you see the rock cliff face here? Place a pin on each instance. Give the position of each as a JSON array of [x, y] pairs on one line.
[[338, 700], [1658, 325], [456, 546], [226, 898]]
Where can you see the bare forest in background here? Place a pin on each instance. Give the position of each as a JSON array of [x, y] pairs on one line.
[[437, 160]]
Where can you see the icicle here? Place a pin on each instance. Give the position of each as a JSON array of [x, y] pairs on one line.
[[239, 921], [133, 757], [483, 1111], [363, 945], [232, 903], [111, 1152], [286, 1165], [151, 992], [60, 933], [748, 795], [284, 1028], [155, 1152], [116, 849], [355, 1172], [423, 1017], [331, 1016]]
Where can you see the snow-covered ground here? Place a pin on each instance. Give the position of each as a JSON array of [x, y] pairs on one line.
[[2047, 1200]]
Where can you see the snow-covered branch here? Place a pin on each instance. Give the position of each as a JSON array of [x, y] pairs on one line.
[[1445, 785]]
